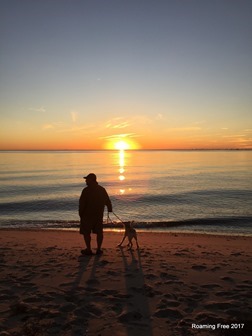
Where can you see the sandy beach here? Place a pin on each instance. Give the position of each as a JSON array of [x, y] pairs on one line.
[[175, 284]]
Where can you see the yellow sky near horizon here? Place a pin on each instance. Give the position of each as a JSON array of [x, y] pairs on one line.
[[138, 132]]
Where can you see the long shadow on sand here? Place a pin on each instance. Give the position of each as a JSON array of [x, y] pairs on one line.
[[136, 315], [76, 296], [86, 293]]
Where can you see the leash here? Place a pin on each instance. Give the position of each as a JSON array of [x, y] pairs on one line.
[[117, 217], [108, 218]]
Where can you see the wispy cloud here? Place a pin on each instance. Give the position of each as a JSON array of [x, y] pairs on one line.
[[234, 136], [74, 116], [104, 130], [88, 129], [119, 136], [40, 109], [54, 126], [61, 127], [184, 129], [122, 125], [240, 141], [118, 122], [159, 116], [48, 127], [129, 122]]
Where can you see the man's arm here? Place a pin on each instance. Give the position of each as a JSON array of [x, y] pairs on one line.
[[108, 202], [82, 202]]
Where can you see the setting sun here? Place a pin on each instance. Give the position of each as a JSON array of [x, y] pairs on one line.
[[121, 145]]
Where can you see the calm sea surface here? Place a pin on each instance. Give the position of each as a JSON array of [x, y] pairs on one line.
[[209, 191]]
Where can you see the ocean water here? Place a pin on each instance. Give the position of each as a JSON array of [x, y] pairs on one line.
[[198, 191]]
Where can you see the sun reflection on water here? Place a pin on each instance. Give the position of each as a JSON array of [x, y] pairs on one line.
[[121, 168], [122, 157]]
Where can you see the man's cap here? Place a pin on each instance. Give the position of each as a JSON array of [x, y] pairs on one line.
[[90, 176]]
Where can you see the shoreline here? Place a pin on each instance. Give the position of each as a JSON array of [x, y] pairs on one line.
[[140, 230], [172, 282]]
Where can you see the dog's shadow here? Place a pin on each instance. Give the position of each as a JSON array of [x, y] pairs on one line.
[[137, 311]]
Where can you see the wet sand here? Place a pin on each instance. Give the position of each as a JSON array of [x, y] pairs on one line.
[[175, 284]]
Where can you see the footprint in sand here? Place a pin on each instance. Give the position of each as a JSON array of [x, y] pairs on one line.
[[146, 290], [191, 305], [113, 273], [236, 254], [67, 308], [198, 296], [228, 279], [210, 286], [214, 305], [50, 249], [168, 276], [224, 293], [199, 267], [32, 299], [164, 303], [93, 282], [94, 309], [103, 263], [130, 317], [19, 307], [206, 317], [106, 292], [215, 268], [151, 276], [168, 313]]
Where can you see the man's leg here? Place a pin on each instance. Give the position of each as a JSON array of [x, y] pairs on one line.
[[99, 239], [87, 239]]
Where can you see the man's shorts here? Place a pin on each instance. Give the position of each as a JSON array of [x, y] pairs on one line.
[[88, 225]]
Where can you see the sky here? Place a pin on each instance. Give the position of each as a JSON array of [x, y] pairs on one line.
[[150, 74]]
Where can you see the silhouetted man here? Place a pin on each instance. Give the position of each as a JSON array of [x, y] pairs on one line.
[[91, 208]]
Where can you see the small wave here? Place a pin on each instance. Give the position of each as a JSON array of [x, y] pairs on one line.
[[192, 195], [226, 222], [38, 205]]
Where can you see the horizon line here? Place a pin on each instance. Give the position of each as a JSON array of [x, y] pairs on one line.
[[108, 150]]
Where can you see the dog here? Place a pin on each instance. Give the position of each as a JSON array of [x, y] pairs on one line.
[[129, 232]]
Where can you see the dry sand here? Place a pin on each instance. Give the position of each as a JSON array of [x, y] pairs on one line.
[[176, 284]]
